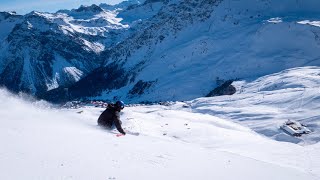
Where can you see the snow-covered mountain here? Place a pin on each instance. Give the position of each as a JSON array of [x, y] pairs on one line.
[[162, 50], [44, 51], [179, 50], [227, 137], [156, 50]]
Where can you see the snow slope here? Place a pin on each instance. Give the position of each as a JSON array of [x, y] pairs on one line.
[[265, 103], [175, 49], [228, 137], [178, 141], [183, 47]]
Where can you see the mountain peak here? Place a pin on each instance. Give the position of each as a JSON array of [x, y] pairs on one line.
[[7, 14], [93, 8]]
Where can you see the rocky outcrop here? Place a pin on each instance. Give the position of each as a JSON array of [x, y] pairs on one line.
[[140, 88], [225, 88]]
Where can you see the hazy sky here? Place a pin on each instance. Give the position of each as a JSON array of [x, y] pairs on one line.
[[26, 6]]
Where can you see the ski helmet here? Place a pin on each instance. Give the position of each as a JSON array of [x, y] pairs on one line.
[[120, 104]]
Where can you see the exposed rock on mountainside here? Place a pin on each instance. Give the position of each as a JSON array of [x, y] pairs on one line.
[[225, 89]]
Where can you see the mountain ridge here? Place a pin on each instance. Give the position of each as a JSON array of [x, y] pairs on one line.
[[177, 49], [39, 47]]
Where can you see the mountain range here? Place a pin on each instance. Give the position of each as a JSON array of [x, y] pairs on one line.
[[154, 50]]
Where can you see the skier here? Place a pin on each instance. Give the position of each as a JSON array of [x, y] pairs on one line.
[[110, 118]]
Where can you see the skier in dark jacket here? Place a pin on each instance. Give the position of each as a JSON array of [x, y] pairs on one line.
[[111, 117]]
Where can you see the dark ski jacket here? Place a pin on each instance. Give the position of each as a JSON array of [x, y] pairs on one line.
[[109, 117]]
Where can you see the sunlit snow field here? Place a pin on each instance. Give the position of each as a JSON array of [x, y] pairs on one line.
[[225, 138]]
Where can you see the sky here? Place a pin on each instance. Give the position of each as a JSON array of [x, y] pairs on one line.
[[23, 6]]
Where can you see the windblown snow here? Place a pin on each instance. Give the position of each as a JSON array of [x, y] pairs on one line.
[[221, 138]]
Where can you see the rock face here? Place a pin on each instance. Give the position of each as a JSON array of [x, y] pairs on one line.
[[225, 89], [140, 88], [40, 58], [154, 50]]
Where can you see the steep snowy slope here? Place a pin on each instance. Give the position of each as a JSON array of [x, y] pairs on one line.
[[241, 45], [122, 5], [154, 50], [142, 11], [180, 51], [43, 143]]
